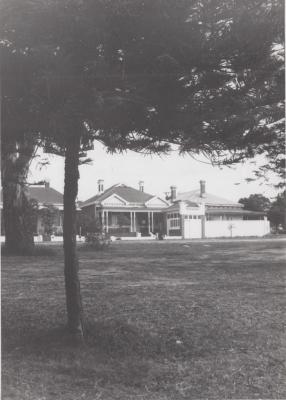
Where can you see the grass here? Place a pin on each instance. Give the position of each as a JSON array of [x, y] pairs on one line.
[[163, 321]]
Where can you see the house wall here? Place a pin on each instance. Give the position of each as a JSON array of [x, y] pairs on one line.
[[237, 228], [185, 221]]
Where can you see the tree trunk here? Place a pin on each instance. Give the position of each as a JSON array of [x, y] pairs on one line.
[[72, 284], [18, 232]]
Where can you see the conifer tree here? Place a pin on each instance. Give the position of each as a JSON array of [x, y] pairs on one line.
[[145, 76]]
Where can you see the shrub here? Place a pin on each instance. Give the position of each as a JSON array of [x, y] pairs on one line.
[[98, 241]]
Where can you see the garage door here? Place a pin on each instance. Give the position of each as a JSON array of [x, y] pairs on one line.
[[192, 228]]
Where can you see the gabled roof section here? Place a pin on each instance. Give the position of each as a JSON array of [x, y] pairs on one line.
[[114, 199], [127, 193], [157, 202], [209, 199]]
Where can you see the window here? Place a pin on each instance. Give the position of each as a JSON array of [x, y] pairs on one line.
[[175, 223]]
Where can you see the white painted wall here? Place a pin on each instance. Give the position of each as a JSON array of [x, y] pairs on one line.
[[237, 228]]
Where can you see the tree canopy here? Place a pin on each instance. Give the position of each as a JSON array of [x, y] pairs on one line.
[[256, 202], [207, 76]]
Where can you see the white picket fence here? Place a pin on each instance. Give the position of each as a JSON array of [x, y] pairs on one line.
[[39, 239]]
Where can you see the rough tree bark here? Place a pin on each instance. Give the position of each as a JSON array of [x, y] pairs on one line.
[[72, 283], [16, 159]]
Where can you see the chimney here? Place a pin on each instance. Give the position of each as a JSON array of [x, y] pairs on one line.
[[100, 186], [173, 193], [203, 188], [141, 186]]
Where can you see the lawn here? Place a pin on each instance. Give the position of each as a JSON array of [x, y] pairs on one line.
[[200, 320]]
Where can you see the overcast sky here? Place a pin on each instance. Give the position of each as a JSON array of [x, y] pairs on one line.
[[158, 174]]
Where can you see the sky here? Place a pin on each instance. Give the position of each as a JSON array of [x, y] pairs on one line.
[[157, 172]]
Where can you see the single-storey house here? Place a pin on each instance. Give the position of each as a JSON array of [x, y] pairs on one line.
[[46, 197], [198, 214], [125, 211]]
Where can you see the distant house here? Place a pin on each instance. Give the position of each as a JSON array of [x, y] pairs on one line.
[[125, 211], [45, 197]]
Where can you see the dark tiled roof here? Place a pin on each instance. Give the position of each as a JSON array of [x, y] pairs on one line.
[[127, 193], [44, 195]]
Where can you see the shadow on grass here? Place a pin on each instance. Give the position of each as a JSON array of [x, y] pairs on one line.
[[114, 338], [37, 251], [118, 339]]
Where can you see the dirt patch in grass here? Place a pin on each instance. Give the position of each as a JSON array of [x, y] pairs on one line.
[[163, 321]]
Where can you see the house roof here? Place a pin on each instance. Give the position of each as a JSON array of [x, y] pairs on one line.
[[43, 194], [209, 199], [127, 193], [226, 210]]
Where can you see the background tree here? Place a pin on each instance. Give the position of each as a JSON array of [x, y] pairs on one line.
[[20, 140], [256, 202], [21, 61], [148, 75], [277, 212]]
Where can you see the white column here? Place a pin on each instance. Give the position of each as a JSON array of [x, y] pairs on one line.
[[131, 222], [134, 221], [148, 222], [106, 221], [152, 221]]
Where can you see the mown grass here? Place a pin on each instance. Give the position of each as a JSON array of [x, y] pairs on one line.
[[163, 321]]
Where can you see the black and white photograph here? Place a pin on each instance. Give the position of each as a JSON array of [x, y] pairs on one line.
[[143, 200]]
